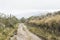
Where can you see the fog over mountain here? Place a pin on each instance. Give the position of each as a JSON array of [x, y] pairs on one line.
[[26, 8], [26, 13]]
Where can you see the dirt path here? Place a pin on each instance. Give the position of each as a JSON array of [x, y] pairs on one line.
[[24, 34]]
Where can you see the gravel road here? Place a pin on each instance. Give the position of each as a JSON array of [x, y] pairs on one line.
[[24, 34]]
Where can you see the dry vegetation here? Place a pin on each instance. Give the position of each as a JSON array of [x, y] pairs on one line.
[[8, 25], [46, 26]]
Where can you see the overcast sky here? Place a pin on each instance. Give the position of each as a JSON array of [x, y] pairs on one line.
[[25, 8]]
